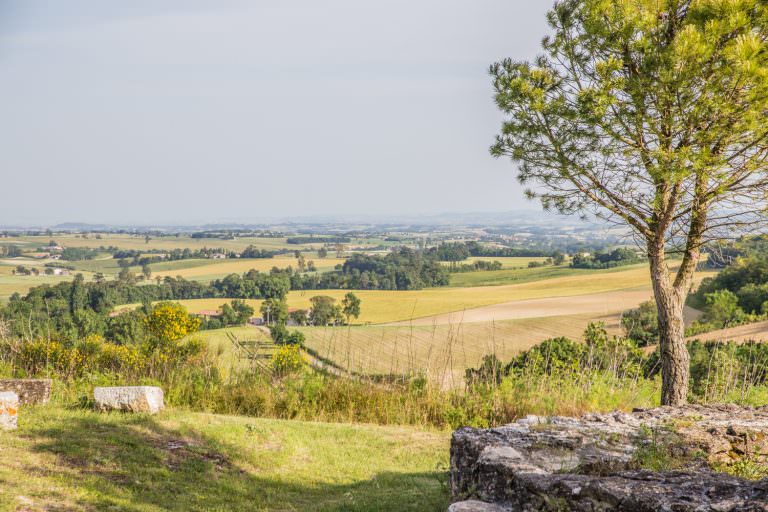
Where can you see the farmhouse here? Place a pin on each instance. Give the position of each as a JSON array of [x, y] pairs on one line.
[[219, 256], [61, 272], [209, 313]]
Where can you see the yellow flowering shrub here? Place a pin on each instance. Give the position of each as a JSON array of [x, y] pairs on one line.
[[170, 321], [287, 359]]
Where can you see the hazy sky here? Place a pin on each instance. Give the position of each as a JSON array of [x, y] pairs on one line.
[[202, 111]]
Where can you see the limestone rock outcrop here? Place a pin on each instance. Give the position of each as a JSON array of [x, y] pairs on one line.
[[593, 462]]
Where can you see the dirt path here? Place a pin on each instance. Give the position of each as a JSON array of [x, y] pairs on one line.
[[600, 304]]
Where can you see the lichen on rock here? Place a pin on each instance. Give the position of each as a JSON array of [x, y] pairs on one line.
[[599, 462]]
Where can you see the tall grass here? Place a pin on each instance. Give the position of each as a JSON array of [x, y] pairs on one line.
[[557, 377]]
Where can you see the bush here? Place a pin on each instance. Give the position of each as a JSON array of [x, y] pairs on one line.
[[287, 359]]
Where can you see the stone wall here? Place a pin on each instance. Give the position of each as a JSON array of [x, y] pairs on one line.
[[591, 463], [30, 391]]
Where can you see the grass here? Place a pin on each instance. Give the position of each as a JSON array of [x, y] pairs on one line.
[[73, 459], [508, 262], [518, 275]]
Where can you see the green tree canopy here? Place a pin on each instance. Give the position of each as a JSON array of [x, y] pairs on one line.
[[649, 113]]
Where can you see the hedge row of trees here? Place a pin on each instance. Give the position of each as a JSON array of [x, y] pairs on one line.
[[606, 259]]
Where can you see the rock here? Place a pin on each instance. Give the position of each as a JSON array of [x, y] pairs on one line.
[[476, 506], [587, 464], [9, 410], [146, 399], [30, 391]]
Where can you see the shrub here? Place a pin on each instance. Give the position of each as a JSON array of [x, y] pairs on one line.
[[169, 321], [287, 359]]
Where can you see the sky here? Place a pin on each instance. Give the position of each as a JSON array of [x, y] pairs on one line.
[[191, 111]]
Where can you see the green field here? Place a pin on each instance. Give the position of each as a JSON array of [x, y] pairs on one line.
[[77, 460], [508, 262], [10, 284], [519, 275]]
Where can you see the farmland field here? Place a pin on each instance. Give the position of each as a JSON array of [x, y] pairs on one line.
[[506, 262], [757, 331], [137, 242], [441, 352], [380, 306], [518, 275], [10, 284], [208, 270]]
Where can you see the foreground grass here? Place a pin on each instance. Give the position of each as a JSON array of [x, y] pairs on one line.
[[73, 459]]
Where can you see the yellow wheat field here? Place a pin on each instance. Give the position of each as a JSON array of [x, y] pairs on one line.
[[221, 268]]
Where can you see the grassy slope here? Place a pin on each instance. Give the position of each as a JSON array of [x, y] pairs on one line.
[[519, 275], [509, 262], [443, 351], [63, 459]]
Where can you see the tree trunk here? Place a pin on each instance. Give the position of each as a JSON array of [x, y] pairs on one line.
[[675, 360]]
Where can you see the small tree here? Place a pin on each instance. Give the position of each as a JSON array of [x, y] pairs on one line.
[[299, 316], [301, 263], [351, 306], [723, 308], [652, 115], [642, 324], [323, 310], [274, 311]]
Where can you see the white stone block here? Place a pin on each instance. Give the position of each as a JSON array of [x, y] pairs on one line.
[[148, 399], [9, 410]]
